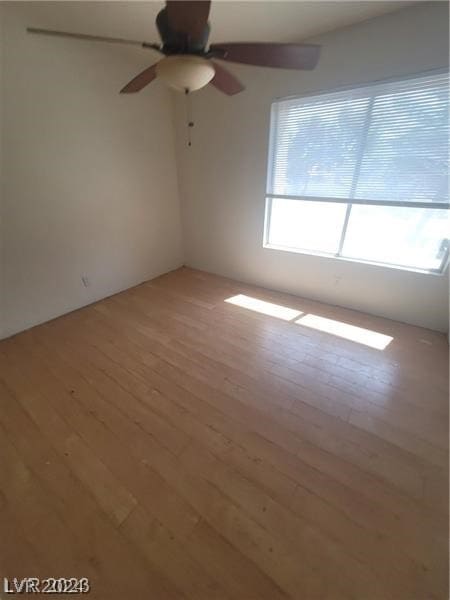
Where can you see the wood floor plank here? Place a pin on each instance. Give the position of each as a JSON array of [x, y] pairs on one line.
[[300, 373], [163, 461], [365, 482], [170, 444], [400, 474], [165, 503], [62, 520]]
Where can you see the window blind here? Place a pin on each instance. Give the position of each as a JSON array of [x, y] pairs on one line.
[[387, 143]]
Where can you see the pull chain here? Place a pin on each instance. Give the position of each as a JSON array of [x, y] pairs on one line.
[[189, 121]]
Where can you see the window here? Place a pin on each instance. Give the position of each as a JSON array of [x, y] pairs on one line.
[[363, 174]]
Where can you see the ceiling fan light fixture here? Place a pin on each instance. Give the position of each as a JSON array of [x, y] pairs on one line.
[[184, 31], [185, 72]]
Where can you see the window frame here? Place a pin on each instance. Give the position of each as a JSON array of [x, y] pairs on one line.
[[348, 201]]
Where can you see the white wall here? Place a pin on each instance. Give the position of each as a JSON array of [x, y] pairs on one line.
[[223, 175], [89, 178], [2, 295]]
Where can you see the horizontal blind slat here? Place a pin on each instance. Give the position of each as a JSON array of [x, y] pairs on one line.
[[403, 154]]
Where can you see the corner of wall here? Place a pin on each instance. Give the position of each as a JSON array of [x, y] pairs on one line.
[[175, 100]]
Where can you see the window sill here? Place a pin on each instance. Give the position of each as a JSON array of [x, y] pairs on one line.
[[354, 260]]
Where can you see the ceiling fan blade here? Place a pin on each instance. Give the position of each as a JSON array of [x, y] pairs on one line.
[[92, 38], [225, 81], [140, 81], [283, 56], [189, 17]]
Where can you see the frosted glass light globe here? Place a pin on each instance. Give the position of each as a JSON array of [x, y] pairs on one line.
[[185, 72]]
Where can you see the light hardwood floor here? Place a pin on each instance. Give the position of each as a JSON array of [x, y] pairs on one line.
[[167, 444]]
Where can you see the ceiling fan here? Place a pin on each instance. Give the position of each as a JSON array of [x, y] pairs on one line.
[[188, 64]]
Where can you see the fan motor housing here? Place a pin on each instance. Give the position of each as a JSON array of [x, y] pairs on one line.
[[175, 42]]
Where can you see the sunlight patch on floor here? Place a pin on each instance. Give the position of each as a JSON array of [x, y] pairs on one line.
[[266, 308], [370, 338], [349, 332]]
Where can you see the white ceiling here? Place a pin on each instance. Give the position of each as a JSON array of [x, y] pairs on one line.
[[230, 20]]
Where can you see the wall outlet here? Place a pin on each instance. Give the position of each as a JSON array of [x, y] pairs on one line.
[[85, 280]]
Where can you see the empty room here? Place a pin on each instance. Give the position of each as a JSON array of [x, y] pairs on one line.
[[224, 300]]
